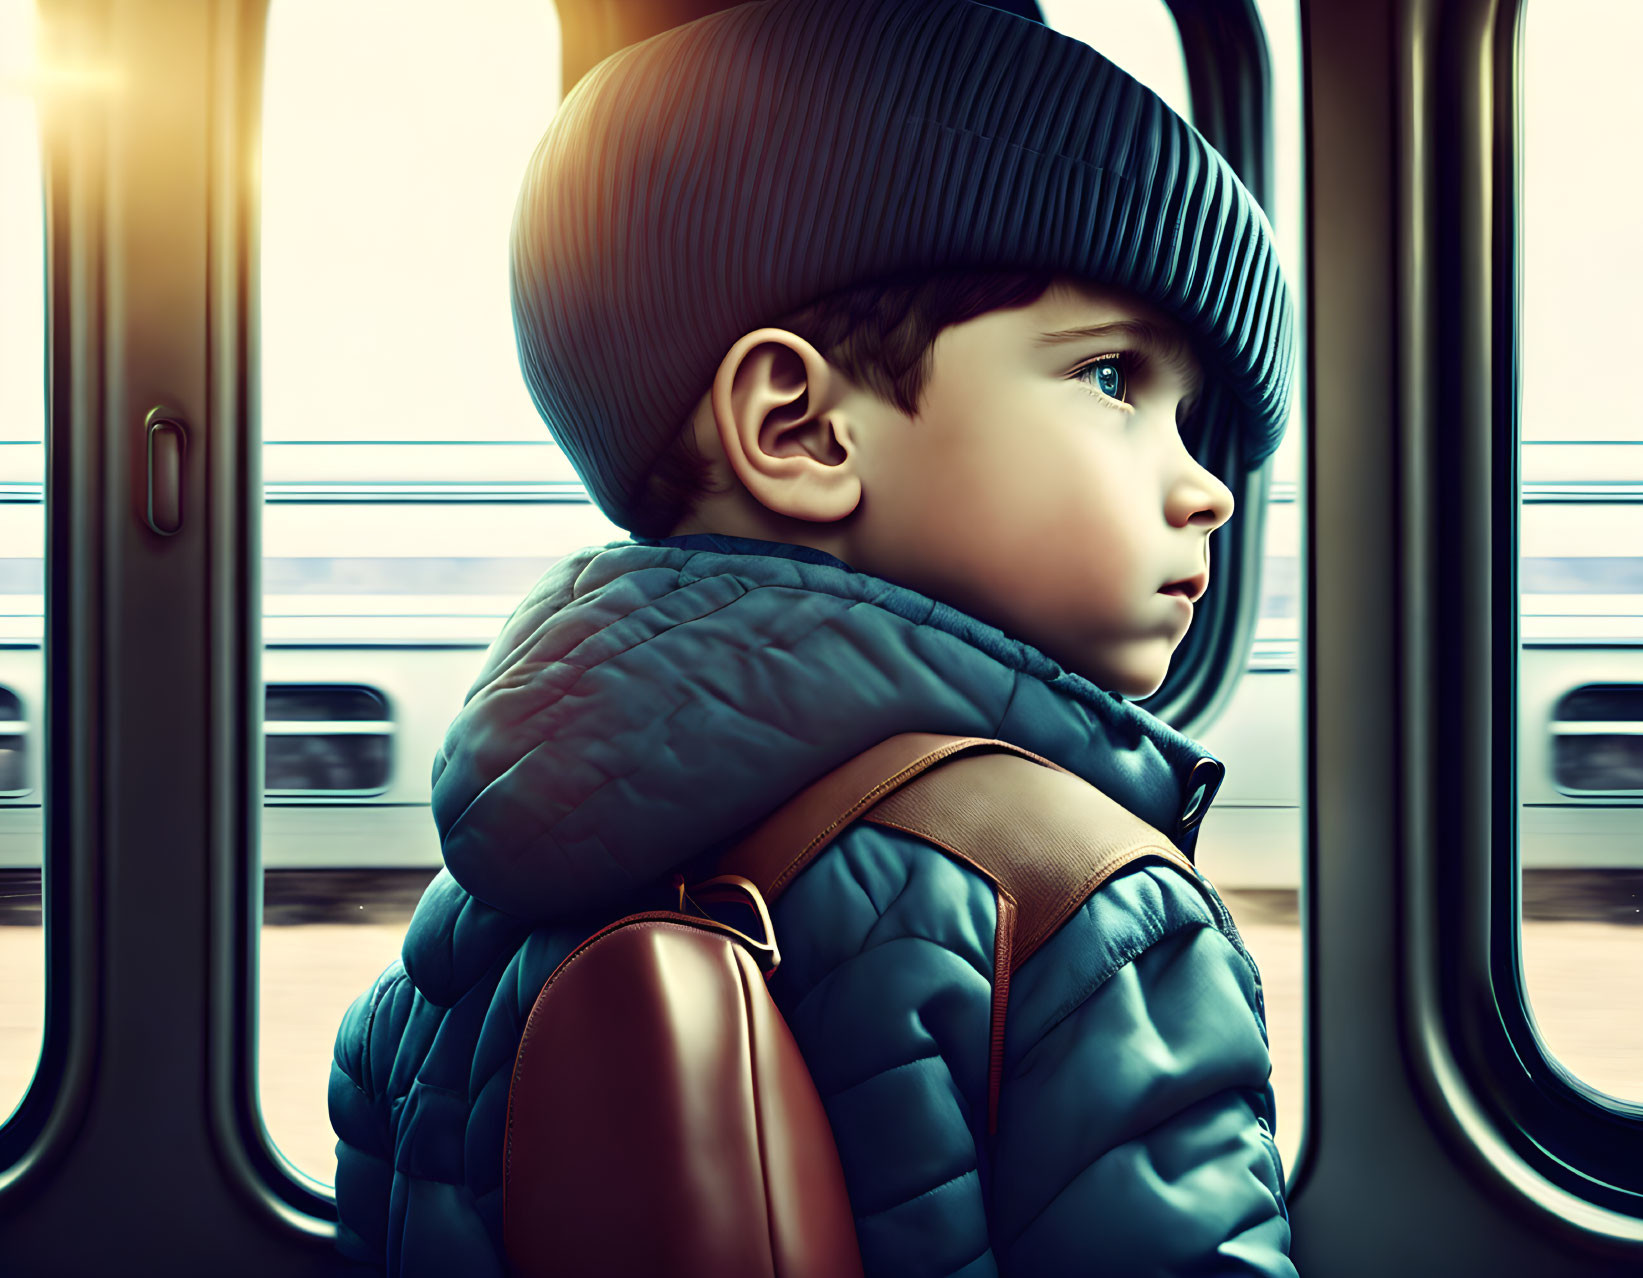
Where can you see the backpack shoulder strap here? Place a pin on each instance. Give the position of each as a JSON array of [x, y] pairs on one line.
[[1042, 835]]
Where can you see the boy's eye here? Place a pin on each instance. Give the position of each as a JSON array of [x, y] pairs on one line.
[[1108, 374]]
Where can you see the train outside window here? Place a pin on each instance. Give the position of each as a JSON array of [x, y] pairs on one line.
[[1580, 677], [22, 557]]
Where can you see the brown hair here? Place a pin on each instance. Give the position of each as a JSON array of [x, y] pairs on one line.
[[879, 334]]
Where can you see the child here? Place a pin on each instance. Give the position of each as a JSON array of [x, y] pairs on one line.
[[890, 331]]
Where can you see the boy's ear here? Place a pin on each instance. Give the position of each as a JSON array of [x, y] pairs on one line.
[[784, 421]]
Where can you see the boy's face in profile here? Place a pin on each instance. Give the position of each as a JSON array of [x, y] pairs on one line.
[[1043, 485]]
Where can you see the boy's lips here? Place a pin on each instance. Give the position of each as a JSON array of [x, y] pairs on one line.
[[1189, 588]]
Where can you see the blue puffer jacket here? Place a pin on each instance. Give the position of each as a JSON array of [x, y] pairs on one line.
[[649, 699]]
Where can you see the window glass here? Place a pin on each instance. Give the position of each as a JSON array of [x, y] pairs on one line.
[[1580, 689], [412, 492], [1250, 846], [22, 555], [1252, 839], [1138, 35], [394, 141]]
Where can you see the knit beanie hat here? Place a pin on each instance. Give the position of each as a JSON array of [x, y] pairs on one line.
[[707, 180]]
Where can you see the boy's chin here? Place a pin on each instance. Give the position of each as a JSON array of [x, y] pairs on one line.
[[1132, 669], [1137, 678], [1130, 684]]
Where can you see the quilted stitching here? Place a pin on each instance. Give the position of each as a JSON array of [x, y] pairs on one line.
[[642, 661]]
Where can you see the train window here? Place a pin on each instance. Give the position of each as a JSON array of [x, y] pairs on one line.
[[22, 552], [1138, 35], [1597, 741], [325, 741], [412, 493], [1580, 672]]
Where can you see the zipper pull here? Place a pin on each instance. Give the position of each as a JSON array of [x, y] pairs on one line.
[[1202, 784]]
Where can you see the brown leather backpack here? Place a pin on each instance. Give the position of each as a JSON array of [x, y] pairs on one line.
[[661, 1119]]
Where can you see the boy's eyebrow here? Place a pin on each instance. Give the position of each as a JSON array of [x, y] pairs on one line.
[[1167, 346]]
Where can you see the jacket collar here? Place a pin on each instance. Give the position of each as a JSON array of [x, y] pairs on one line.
[[650, 698]]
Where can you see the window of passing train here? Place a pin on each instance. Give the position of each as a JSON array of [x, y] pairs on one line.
[[1597, 741], [13, 746], [1580, 692], [22, 552], [413, 494], [325, 741]]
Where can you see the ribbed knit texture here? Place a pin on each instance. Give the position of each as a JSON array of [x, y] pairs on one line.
[[708, 180]]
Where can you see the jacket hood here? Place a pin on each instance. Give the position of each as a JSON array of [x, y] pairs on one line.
[[652, 697]]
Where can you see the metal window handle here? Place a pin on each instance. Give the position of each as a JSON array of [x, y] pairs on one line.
[[167, 441]]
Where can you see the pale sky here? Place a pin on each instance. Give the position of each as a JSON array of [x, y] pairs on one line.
[[395, 139]]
